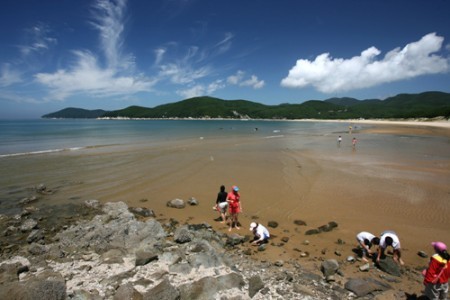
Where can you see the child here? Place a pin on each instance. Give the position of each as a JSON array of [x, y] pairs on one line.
[[437, 273]]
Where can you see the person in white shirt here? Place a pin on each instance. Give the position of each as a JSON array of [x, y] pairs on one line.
[[390, 238], [366, 240], [261, 234]]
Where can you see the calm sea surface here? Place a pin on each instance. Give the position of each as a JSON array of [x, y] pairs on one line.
[[28, 137]]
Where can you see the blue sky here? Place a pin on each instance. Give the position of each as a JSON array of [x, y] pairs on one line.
[[113, 54]]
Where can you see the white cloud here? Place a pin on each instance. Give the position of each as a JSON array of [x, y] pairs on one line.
[[329, 75], [87, 76], [238, 79], [9, 76], [201, 90], [39, 40]]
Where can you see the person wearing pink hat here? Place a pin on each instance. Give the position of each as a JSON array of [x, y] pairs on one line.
[[438, 272], [234, 200]]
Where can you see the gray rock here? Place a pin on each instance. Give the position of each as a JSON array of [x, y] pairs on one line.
[[361, 287], [113, 256], [312, 231], [176, 203], [255, 284], [207, 287], [145, 256], [182, 235], [300, 222], [234, 239], [94, 204], [329, 267], [127, 291], [28, 225], [163, 291], [422, 254], [389, 266], [192, 201], [272, 224], [364, 268], [35, 236], [142, 211]]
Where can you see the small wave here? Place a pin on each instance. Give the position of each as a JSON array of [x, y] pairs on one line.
[[273, 136], [40, 152]]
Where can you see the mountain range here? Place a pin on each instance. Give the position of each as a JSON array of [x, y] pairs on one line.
[[402, 106]]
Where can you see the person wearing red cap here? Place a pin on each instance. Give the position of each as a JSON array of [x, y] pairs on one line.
[[437, 274], [234, 200]]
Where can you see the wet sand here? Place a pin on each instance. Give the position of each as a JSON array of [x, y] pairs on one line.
[[397, 178]]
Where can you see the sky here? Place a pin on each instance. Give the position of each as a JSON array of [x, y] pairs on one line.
[[111, 54]]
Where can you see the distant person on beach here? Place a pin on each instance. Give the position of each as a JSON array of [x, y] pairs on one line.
[[437, 274], [354, 141], [339, 140], [366, 240], [222, 204], [390, 238], [260, 234], [350, 129], [234, 201]]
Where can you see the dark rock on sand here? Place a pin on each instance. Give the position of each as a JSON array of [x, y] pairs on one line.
[[176, 203], [361, 287], [388, 265], [272, 224]]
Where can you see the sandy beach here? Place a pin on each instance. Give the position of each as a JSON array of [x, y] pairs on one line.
[[397, 178]]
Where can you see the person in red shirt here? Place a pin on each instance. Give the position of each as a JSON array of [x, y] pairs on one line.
[[437, 274], [233, 199]]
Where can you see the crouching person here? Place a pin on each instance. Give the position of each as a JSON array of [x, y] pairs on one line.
[[261, 234]]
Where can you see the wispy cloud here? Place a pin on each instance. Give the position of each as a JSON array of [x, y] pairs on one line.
[[39, 40], [88, 76], [330, 75], [240, 80], [9, 75], [201, 90]]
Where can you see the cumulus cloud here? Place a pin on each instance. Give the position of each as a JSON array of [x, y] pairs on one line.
[[116, 77], [201, 90], [239, 79], [330, 75]]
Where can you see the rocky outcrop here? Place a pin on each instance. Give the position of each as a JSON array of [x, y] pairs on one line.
[[124, 253]]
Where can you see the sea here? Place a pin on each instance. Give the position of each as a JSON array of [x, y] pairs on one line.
[[28, 137]]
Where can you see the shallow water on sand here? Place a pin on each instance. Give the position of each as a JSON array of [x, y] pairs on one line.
[[286, 171]]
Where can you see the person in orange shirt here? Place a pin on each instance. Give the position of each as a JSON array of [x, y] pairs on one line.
[[437, 274], [234, 201]]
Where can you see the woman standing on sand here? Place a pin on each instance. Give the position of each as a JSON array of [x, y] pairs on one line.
[[222, 204], [437, 273], [233, 199]]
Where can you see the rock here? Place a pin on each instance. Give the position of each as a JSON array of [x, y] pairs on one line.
[[255, 284], [389, 266], [113, 256], [94, 204], [300, 222], [176, 203], [362, 287], [182, 235], [279, 263], [48, 285], [144, 256], [234, 239], [351, 258], [262, 247], [364, 268], [127, 291], [272, 224], [35, 236], [28, 225], [285, 239], [142, 211], [207, 287], [192, 201], [164, 290], [312, 231], [422, 254], [337, 253], [329, 267]]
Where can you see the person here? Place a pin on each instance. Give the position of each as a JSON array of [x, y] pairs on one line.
[[234, 201], [339, 140], [366, 240], [350, 129], [437, 273], [222, 204], [354, 143], [260, 233], [390, 238]]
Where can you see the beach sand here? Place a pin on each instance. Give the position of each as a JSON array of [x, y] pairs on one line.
[[397, 178]]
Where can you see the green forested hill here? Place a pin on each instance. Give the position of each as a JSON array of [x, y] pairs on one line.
[[424, 105], [75, 113]]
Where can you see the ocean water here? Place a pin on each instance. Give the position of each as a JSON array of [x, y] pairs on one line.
[[27, 137]]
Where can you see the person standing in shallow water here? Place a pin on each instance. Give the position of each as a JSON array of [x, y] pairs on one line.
[[354, 141], [437, 274], [234, 201], [222, 204], [339, 140]]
